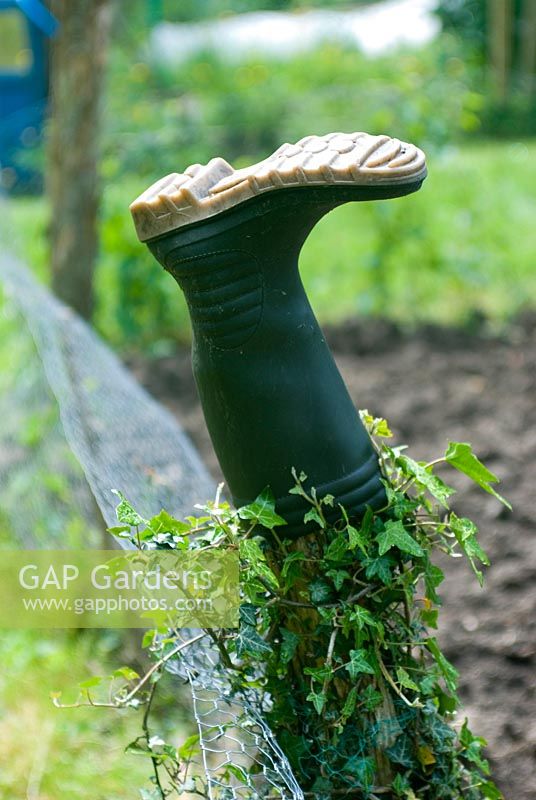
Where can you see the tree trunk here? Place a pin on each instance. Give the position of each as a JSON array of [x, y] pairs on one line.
[[528, 45], [77, 67], [500, 43]]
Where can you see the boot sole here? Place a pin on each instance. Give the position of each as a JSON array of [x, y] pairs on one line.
[[337, 159]]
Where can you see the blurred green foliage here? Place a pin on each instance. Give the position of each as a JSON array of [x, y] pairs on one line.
[[467, 18], [161, 118], [470, 22], [461, 247], [464, 244], [73, 752], [166, 115], [468, 228], [196, 10]]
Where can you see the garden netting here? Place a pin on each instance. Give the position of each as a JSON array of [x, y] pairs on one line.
[[75, 424]]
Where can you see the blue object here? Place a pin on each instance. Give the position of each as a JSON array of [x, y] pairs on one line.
[[26, 25], [39, 15]]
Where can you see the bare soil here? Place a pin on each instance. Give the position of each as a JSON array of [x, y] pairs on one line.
[[436, 385]]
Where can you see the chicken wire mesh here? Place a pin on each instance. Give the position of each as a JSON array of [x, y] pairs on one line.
[[70, 410], [44, 497], [121, 437], [232, 731]]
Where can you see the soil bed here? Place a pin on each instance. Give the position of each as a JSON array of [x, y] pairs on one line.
[[435, 385]]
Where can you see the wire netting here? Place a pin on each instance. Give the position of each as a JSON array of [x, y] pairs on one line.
[[75, 425], [121, 437]]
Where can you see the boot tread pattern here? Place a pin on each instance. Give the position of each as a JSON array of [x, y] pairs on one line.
[[201, 191]]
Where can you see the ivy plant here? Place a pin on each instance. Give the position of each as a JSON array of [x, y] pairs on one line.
[[342, 626]]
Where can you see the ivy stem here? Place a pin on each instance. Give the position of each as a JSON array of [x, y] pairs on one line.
[[434, 462], [160, 663], [392, 684], [145, 727], [329, 656]]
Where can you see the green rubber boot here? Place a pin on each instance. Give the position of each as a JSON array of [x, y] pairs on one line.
[[271, 393]]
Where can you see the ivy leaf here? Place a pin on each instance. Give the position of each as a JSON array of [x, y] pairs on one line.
[[337, 549], [460, 456], [395, 535], [401, 752], [318, 699], [148, 638], [371, 698], [380, 568], [138, 746], [490, 791], [238, 772], [125, 672], [313, 516], [450, 674], [472, 747], [366, 523], [400, 785], [288, 645], [433, 577], [400, 503], [248, 614], [189, 747], [262, 510], [362, 617], [405, 680], [426, 478], [290, 561], [318, 674], [467, 737], [381, 428], [375, 425], [89, 683], [443, 735], [363, 769], [119, 530], [356, 539], [248, 642], [428, 684], [165, 523], [425, 755], [126, 513], [251, 552], [446, 703], [319, 591], [466, 533], [429, 617], [349, 705], [359, 664], [338, 576]]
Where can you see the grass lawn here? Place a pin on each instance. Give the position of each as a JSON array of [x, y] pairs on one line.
[[466, 241], [50, 753]]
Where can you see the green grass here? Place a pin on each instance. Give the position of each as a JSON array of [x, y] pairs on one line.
[[464, 243], [50, 753]]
